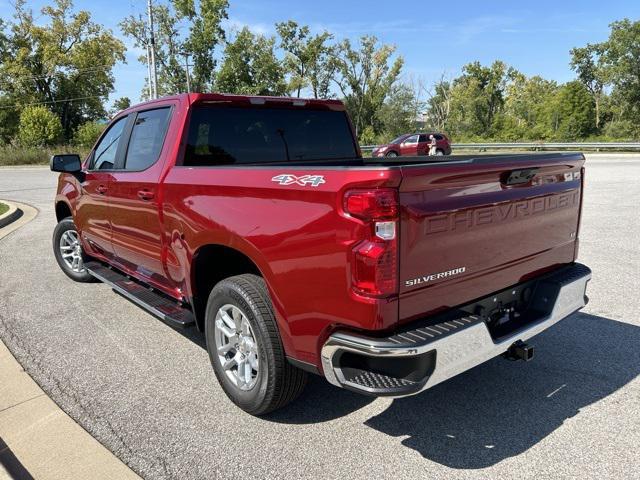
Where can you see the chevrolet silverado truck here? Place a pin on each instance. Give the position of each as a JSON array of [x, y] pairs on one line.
[[258, 221]]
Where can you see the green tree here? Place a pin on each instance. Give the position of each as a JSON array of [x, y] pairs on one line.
[[527, 108], [574, 112], [589, 65], [120, 104], [400, 112], [477, 98], [87, 134], [307, 58], [39, 126], [438, 104], [250, 67], [203, 20], [63, 59], [621, 57], [365, 76]]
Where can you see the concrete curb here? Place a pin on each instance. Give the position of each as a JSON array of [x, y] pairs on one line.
[[12, 215], [37, 438]]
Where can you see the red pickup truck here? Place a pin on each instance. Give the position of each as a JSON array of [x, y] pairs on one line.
[[258, 221]]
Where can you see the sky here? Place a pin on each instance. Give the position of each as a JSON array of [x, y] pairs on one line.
[[433, 37]]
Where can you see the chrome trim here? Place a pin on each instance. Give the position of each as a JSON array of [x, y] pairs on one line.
[[457, 352]]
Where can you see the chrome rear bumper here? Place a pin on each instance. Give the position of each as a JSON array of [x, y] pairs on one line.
[[438, 349]]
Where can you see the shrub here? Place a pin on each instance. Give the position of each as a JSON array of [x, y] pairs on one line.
[[87, 134], [39, 126], [18, 155], [621, 129]]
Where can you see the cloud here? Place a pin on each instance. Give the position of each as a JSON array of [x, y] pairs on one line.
[[466, 31], [235, 25]]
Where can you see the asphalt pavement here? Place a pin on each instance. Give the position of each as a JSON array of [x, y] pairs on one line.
[[148, 393]]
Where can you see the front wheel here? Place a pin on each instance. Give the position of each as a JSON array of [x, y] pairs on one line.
[[68, 251], [245, 348], [391, 154]]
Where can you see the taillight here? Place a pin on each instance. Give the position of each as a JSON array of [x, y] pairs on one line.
[[371, 204], [375, 259]]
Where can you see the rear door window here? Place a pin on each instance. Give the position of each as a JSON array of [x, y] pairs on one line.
[[249, 135], [147, 137]]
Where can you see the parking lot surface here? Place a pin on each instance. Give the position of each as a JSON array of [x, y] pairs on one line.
[[148, 393]]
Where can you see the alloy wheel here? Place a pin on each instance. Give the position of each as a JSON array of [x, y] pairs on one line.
[[71, 251], [236, 347]]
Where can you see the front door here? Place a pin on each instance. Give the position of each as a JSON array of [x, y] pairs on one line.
[[92, 206], [410, 146], [135, 200]]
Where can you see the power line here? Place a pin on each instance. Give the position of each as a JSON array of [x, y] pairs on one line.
[[79, 70], [17, 105]]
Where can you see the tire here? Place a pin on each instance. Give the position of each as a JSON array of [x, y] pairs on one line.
[[391, 154], [276, 382], [63, 246], [439, 152]]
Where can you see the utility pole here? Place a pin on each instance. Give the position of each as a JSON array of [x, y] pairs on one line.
[[186, 65], [149, 72], [152, 47]]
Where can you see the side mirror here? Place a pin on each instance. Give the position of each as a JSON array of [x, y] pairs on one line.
[[69, 163]]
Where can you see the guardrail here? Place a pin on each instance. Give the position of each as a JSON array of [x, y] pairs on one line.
[[537, 146]]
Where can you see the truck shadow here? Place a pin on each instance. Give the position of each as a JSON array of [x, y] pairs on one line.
[[499, 409], [502, 409]]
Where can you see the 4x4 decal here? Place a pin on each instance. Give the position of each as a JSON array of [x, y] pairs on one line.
[[304, 180]]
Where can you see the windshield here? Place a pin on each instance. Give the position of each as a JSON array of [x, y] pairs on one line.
[[222, 135]]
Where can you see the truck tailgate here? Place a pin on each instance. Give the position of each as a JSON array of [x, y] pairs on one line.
[[472, 227]]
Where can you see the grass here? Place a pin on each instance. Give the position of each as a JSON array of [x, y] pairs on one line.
[[3, 208], [11, 155]]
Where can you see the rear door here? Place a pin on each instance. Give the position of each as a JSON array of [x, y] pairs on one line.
[[92, 209], [134, 195], [423, 145], [409, 147], [441, 142], [472, 227]]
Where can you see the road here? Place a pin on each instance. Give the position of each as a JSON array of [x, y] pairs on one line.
[[148, 392]]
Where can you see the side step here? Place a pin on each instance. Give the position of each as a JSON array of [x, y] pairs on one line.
[[166, 309]]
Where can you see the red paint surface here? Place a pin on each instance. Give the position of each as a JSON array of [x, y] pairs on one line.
[[301, 239]]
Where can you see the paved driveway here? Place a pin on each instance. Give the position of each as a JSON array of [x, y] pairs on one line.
[[148, 393]]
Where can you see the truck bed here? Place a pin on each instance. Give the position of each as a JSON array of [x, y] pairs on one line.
[[406, 161]]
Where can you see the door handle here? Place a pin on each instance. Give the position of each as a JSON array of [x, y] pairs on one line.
[[101, 189], [145, 194]]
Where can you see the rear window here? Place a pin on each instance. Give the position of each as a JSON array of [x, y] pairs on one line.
[[147, 138], [240, 135]]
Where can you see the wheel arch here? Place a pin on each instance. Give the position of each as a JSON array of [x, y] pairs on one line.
[[63, 210], [212, 263]]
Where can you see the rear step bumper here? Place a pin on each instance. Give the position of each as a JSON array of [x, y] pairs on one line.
[[417, 359]]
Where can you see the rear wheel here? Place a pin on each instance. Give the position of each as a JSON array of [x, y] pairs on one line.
[[439, 152], [391, 154], [245, 348], [68, 251]]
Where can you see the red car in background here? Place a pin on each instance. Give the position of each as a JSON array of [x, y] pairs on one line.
[[413, 144]]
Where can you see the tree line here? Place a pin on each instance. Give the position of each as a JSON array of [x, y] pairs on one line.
[[56, 74]]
